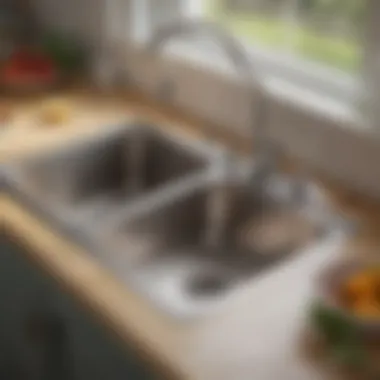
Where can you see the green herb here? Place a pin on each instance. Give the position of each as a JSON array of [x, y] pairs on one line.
[[334, 325], [341, 335]]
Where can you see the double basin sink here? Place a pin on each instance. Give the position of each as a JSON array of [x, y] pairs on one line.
[[145, 204]]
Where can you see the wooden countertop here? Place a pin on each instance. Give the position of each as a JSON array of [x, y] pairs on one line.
[[255, 337]]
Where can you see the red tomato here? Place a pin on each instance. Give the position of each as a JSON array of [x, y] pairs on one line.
[[28, 66]]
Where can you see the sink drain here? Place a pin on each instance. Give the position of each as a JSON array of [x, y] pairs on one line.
[[186, 286], [208, 284]]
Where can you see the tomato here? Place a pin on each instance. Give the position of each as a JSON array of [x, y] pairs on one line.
[[26, 65]]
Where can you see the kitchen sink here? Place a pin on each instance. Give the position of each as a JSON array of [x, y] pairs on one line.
[[146, 204], [89, 180]]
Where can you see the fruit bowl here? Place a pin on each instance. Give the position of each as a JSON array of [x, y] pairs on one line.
[[345, 317], [348, 292]]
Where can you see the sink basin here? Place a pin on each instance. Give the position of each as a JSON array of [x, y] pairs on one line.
[[88, 181], [164, 250]]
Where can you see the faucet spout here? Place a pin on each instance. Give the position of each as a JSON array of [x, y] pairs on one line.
[[234, 52], [191, 27]]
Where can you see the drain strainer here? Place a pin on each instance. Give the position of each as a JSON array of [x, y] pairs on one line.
[[208, 284]]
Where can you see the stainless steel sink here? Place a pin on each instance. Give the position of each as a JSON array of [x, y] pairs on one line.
[[87, 181], [146, 204]]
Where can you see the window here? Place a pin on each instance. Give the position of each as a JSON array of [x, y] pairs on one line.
[[324, 31]]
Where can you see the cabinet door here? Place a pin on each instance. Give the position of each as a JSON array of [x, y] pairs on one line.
[[23, 299], [95, 353], [46, 335]]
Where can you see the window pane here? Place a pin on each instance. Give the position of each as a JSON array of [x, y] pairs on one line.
[[327, 31]]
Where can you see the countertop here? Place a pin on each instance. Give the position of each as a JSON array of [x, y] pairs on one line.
[[256, 337]]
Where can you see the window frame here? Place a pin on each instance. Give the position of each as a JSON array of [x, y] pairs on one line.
[[311, 75]]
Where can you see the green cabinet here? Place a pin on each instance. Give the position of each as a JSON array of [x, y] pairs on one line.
[[44, 334], [94, 353], [22, 297]]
